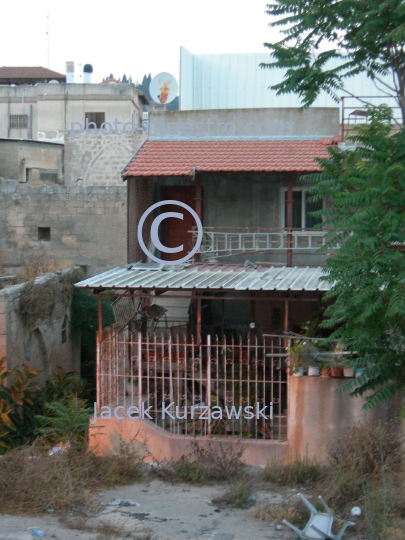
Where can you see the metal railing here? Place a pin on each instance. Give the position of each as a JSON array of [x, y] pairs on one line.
[[217, 241], [354, 111], [221, 387]]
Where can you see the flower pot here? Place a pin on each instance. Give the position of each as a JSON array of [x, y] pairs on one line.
[[313, 371], [299, 372], [359, 371], [336, 372], [325, 372], [348, 372]]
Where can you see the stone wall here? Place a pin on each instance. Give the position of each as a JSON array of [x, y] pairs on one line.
[[87, 225], [97, 160], [31, 161], [42, 343]]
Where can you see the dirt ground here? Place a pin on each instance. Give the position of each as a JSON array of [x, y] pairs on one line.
[[165, 512]]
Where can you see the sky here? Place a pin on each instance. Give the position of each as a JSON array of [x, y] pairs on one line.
[[128, 36]]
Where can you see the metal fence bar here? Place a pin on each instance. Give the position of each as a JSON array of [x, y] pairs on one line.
[[222, 375]]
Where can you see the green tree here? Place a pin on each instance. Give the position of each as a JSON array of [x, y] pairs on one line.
[[359, 35], [366, 190], [144, 86]]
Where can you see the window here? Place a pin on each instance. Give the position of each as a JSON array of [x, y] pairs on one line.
[[302, 208], [44, 234], [48, 176], [94, 119], [18, 121]]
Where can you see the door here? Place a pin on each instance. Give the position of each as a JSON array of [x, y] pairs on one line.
[[174, 232]]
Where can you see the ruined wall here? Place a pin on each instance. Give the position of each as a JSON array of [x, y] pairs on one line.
[[42, 343], [87, 224]]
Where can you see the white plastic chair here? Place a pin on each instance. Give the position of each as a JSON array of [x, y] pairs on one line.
[[319, 526]]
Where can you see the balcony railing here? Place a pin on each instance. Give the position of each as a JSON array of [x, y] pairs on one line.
[[354, 111], [217, 240]]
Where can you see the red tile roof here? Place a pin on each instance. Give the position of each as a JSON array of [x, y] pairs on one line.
[[179, 158], [30, 72]]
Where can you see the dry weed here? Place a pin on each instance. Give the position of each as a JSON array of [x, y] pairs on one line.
[[205, 464], [103, 528], [237, 495], [395, 532], [300, 471], [367, 471], [32, 482], [276, 513], [38, 265]]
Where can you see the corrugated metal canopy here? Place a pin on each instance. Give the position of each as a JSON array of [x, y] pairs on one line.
[[211, 277]]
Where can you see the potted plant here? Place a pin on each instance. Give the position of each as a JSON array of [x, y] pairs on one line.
[[325, 369], [295, 360], [302, 355]]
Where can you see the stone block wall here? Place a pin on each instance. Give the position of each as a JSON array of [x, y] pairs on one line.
[[87, 224], [99, 159]]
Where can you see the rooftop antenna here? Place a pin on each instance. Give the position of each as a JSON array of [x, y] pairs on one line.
[[47, 33]]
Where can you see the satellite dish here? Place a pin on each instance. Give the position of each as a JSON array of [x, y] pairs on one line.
[[163, 88]]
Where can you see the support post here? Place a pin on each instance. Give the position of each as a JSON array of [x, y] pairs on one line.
[[198, 325], [140, 372], [286, 315], [208, 397], [98, 351], [252, 331], [289, 218], [198, 205], [100, 315]]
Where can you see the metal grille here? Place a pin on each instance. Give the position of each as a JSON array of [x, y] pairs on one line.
[[354, 111], [18, 121], [216, 242], [192, 389], [124, 310]]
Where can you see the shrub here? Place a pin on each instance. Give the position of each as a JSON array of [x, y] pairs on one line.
[[238, 495], [28, 411], [205, 465], [299, 471]]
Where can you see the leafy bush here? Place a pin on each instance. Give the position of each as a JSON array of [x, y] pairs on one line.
[[28, 411]]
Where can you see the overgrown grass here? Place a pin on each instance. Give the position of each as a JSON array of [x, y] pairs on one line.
[[366, 469], [300, 471], [205, 464], [32, 482], [237, 495]]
